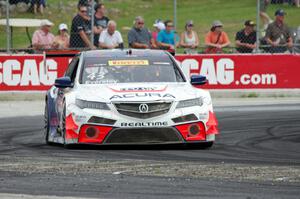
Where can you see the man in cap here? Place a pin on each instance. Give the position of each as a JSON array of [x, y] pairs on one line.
[[278, 34], [139, 36], [43, 38], [245, 39], [216, 39]]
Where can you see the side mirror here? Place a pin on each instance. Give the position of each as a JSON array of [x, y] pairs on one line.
[[63, 82], [198, 80]]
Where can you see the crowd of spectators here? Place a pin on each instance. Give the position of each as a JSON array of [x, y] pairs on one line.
[[291, 2], [106, 36]]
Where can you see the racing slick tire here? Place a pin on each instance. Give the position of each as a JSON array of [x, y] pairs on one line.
[[63, 128], [46, 127]]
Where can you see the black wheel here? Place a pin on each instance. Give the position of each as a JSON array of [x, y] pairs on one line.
[[63, 124], [46, 127]]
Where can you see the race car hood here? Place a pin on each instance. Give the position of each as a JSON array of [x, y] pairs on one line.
[[139, 92]]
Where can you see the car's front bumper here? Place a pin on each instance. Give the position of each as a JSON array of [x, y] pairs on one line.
[[98, 134]]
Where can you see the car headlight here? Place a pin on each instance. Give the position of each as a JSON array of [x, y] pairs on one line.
[[92, 105], [190, 102]]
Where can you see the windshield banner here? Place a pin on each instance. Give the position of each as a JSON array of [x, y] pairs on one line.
[[31, 73]]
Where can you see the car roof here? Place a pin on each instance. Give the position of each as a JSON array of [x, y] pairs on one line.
[[121, 53]]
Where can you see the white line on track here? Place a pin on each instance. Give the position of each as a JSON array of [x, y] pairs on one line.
[[25, 196]]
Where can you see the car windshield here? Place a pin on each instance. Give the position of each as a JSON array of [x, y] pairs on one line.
[[103, 70]]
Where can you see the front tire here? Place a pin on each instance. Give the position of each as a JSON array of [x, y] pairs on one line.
[[63, 124], [47, 125], [63, 128]]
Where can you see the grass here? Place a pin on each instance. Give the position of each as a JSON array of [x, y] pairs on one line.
[[232, 13], [250, 95]]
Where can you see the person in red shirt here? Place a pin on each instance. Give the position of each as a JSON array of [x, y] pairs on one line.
[[216, 39]]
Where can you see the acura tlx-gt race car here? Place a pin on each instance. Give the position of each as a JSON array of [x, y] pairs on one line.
[[128, 97]]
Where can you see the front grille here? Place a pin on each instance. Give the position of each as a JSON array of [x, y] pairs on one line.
[[143, 136], [132, 109]]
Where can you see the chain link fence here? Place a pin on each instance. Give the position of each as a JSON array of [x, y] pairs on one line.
[[83, 28]]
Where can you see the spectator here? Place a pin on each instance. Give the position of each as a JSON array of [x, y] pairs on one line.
[[189, 39], [80, 30], [245, 39], [158, 26], [216, 39], [38, 5], [262, 13], [111, 38], [61, 41], [89, 6], [139, 36], [43, 38], [278, 34], [100, 22], [167, 38]]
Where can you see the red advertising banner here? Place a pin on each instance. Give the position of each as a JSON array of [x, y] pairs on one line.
[[30, 72], [238, 71]]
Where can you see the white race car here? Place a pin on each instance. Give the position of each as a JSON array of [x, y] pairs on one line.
[[128, 97]]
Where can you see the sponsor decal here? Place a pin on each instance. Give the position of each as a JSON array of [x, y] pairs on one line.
[[128, 62], [107, 81], [137, 95], [143, 124], [139, 89]]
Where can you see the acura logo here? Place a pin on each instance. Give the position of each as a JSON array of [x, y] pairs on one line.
[[143, 108]]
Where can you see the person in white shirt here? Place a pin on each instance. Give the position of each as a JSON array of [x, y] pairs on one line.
[[111, 38]]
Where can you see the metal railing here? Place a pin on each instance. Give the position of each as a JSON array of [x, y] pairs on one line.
[[260, 47]]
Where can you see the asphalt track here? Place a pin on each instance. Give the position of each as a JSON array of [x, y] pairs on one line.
[[257, 155]]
